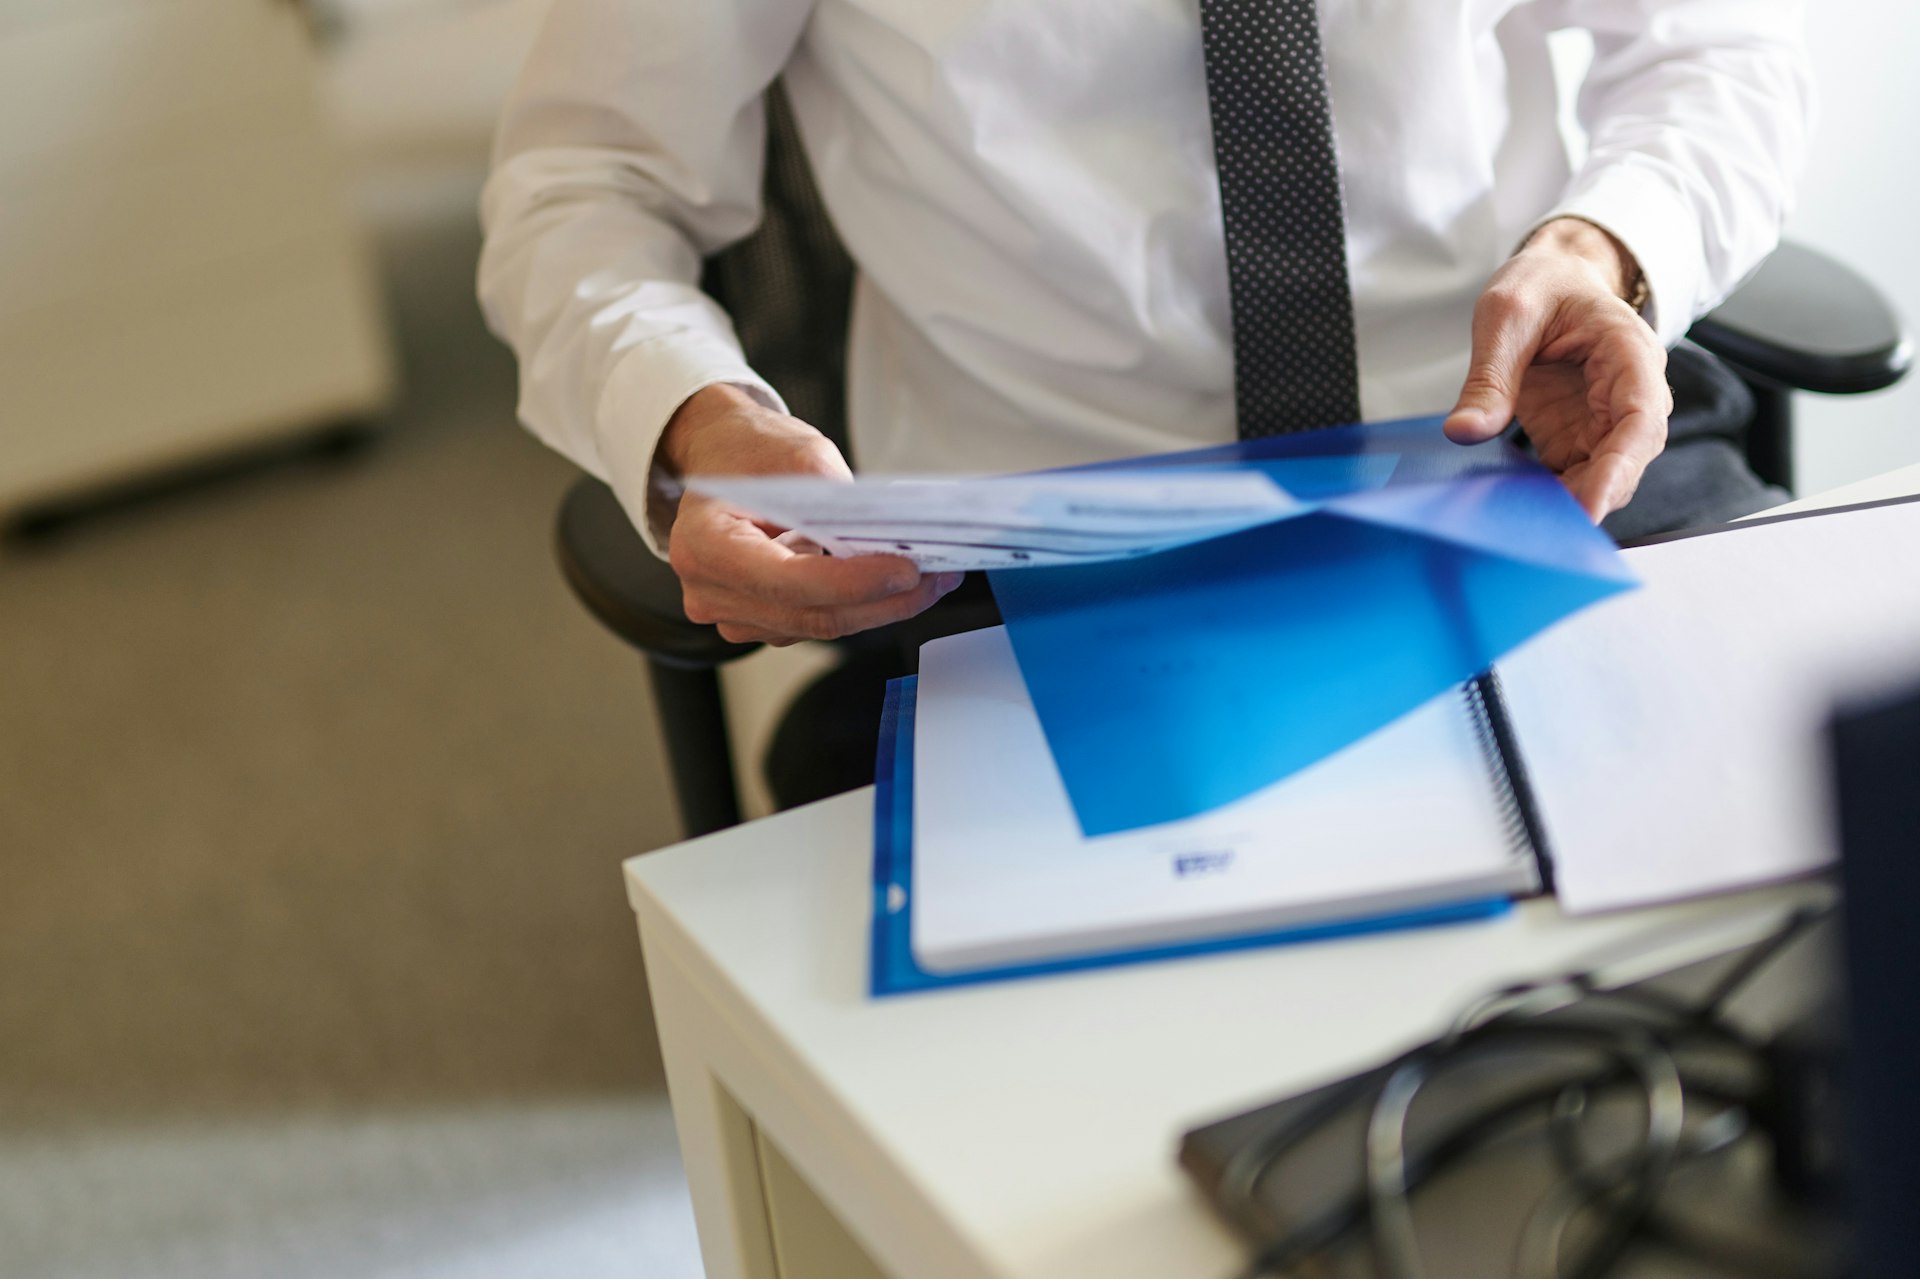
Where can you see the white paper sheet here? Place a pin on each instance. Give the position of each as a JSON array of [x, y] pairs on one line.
[[1675, 735], [946, 524]]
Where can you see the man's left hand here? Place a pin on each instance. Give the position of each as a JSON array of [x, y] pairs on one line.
[[1555, 345]]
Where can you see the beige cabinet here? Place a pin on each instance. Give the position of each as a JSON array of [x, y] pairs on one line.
[[179, 275], [807, 1241]]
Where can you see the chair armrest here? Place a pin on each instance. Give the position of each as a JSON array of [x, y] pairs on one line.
[[1805, 321], [633, 593]]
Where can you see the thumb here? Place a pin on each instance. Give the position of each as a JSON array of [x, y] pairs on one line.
[[1503, 347]]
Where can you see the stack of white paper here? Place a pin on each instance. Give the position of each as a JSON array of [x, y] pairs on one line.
[[1676, 735], [1009, 521]]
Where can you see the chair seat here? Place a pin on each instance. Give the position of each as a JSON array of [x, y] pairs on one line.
[[631, 590]]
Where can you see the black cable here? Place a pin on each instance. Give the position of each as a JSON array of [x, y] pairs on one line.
[[1464, 1139], [1763, 953], [1641, 1032], [1240, 1182], [1447, 1148]]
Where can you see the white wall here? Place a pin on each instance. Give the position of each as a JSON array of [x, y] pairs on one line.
[[414, 86], [1857, 203]]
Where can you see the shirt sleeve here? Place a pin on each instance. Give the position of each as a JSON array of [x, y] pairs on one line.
[[1697, 114], [630, 149]]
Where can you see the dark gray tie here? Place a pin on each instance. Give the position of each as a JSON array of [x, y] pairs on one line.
[[1293, 353]]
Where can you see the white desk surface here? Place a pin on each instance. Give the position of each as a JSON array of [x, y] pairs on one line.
[[1896, 483], [1028, 1128]]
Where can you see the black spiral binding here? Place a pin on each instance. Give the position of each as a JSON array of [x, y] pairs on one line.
[[1487, 708]]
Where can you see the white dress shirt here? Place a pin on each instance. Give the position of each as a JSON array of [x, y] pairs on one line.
[[1029, 191]]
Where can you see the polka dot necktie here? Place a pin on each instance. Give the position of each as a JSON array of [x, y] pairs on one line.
[[1293, 354]]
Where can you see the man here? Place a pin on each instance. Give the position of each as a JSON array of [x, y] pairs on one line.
[[1094, 228]]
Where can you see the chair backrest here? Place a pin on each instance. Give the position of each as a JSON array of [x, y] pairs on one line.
[[789, 285]]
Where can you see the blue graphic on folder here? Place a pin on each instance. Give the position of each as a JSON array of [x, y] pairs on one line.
[[1171, 684]]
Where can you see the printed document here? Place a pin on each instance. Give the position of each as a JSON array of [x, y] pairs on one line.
[[1012, 521]]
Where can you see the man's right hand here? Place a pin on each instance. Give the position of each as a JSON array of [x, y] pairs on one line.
[[735, 571]]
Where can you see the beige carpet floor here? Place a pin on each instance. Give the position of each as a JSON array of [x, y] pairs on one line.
[[314, 785]]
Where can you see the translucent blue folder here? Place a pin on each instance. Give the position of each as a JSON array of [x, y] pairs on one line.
[[1172, 684]]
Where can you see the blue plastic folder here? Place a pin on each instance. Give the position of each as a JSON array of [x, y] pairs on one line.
[[1172, 684], [892, 969]]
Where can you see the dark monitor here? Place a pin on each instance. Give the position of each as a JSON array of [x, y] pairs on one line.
[[1877, 780]]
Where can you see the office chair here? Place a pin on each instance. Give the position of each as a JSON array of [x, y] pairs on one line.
[[1802, 322]]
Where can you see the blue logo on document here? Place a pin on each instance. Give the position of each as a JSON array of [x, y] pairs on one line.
[[1187, 865]]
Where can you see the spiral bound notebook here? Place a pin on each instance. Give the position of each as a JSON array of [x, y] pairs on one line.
[[896, 970], [984, 871]]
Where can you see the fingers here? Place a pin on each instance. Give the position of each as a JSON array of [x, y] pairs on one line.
[[783, 628], [1507, 329], [1639, 401], [751, 563], [1610, 477], [757, 582], [1602, 480], [755, 587], [715, 545]]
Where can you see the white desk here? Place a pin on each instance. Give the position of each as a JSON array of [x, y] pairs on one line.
[[1902, 482], [1018, 1131]]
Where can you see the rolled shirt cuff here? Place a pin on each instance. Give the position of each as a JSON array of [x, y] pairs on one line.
[[639, 398], [1642, 210]]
